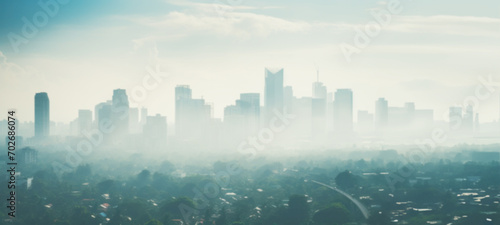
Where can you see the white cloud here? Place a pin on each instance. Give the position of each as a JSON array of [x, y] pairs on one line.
[[447, 24]]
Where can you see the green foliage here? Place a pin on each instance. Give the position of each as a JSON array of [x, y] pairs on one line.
[[178, 208], [379, 218], [335, 214], [298, 210], [346, 180], [154, 222], [138, 196]]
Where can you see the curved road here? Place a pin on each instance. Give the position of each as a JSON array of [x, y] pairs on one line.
[[361, 207]]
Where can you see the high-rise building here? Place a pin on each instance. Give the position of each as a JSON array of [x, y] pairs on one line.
[[243, 118], [319, 90], [103, 114], [288, 98], [120, 111], [468, 119], [301, 126], [273, 92], [42, 115], [144, 116], [250, 103], [381, 119], [318, 105], [192, 116], [183, 95], [365, 121], [455, 117], [318, 116], [250, 106], [84, 120], [133, 120], [183, 92], [343, 111], [155, 130]]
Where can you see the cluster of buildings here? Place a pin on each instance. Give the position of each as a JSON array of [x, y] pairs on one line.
[[324, 117]]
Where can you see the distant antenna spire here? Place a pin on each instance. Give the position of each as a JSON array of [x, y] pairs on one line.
[[317, 71]]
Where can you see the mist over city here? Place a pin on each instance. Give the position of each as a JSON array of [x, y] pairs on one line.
[[242, 112]]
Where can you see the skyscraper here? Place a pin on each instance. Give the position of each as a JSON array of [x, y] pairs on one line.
[[243, 118], [273, 92], [155, 131], [133, 120], [103, 114], [342, 111], [319, 90], [182, 96], [468, 120], [250, 106], [120, 111], [318, 107], [84, 120], [42, 115], [144, 116], [192, 116], [288, 98], [381, 114], [455, 117], [365, 121]]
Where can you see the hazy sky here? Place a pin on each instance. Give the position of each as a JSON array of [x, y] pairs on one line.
[[431, 53]]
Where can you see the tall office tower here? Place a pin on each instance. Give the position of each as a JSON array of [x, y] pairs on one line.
[[301, 125], [365, 121], [402, 118], [318, 107], [342, 111], [234, 123], [288, 98], [74, 128], [192, 116], [468, 119], [319, 90], [120, 111], [381, 119], [455, 118], [133, 120], [250, 107], [84, 120], [318, 116], [183, 92], [273, 92], [155, 131], [103, 114], [42, 115], [183, 96], [243, 118], [144, 116]]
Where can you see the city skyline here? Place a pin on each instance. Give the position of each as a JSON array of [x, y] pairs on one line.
[[332, 113], [120, 97], [432, 53]]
